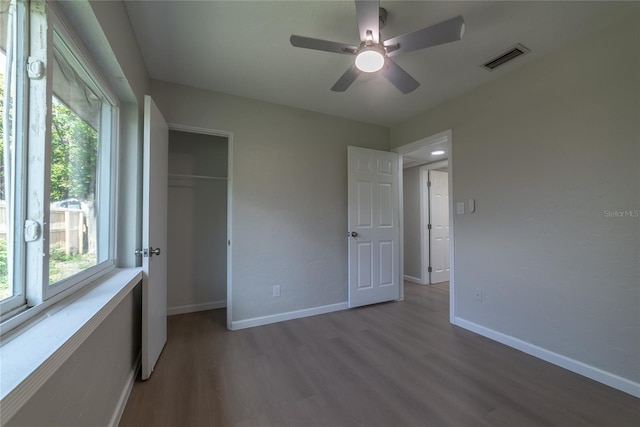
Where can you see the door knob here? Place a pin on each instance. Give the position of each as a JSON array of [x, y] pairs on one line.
[[353, 234], [153, 252]]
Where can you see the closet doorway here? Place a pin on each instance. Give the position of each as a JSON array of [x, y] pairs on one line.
[[197, 221]]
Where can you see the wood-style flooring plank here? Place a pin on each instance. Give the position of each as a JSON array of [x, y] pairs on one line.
[[392, 364]]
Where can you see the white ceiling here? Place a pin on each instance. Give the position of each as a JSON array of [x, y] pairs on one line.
[[242, 48]]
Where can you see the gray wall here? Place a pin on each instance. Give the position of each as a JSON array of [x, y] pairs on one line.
[[289, 195], [411, 216], [547, 151], [85, 390], [197, 232]]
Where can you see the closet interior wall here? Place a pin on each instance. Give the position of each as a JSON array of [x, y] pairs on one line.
[[197, 217]]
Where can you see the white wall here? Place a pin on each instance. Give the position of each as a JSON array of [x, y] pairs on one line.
[[129, 217], [289, 195], [197, 216], [114, 49], [547, 151], [411, 224]]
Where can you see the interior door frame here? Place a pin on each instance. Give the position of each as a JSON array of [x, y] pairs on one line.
[[443, 138], [229, 136], [425, 210]]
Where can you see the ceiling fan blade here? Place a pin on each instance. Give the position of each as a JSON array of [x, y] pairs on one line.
[[399, 77], [447, 31], [324, 45], [368, 12], [346, 79]]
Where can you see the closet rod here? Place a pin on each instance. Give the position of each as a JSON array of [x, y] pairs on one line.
[[173, 175]]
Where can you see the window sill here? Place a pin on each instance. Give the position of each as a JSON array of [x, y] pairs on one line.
[[30, 354]]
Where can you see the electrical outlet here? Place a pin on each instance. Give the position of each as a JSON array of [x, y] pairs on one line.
[[478, 295], [276, 290]]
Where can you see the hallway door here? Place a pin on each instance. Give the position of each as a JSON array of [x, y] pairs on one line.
[[439, 214]]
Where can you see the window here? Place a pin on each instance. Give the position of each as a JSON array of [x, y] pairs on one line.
[[11, 153], [81, 129], [60, 236]]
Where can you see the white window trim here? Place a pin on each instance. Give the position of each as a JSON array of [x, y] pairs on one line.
[[39, 125]]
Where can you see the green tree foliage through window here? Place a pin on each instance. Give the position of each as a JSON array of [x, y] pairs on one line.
[[74, 156], [2, 196], [5, 290], [74, 164]]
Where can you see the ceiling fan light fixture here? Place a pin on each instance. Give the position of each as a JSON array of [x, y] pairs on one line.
[[370, 60]]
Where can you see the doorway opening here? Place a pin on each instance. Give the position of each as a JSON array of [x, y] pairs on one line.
[[199, 193], [426, 229]]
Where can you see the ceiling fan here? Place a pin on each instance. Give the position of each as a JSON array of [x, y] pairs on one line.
[[373, 54]]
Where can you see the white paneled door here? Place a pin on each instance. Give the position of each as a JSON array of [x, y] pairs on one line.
[[439, 212], [374, 233], [154, 236]]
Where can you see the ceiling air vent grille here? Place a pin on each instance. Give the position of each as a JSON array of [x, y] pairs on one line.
[[509, 55]]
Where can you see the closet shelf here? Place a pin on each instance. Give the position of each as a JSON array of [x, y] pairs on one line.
[[198, 177]]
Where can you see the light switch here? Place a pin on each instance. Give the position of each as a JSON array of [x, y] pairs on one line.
[[460, 208]]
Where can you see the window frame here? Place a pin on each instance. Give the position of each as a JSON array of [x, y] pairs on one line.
[[107, 135], [16, 302], [48, 23]]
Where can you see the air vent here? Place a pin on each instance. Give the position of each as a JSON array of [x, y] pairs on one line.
[[511, 54]]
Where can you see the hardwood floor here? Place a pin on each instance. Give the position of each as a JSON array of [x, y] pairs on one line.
[[392, 364]]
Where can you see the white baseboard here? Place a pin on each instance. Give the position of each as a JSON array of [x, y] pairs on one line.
[[414, 280], [192, 308], [281, 317], [126, 392], [596, 374]]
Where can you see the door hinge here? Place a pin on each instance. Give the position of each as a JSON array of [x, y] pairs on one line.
[[429, 269], [428, 183], [429, 227]]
